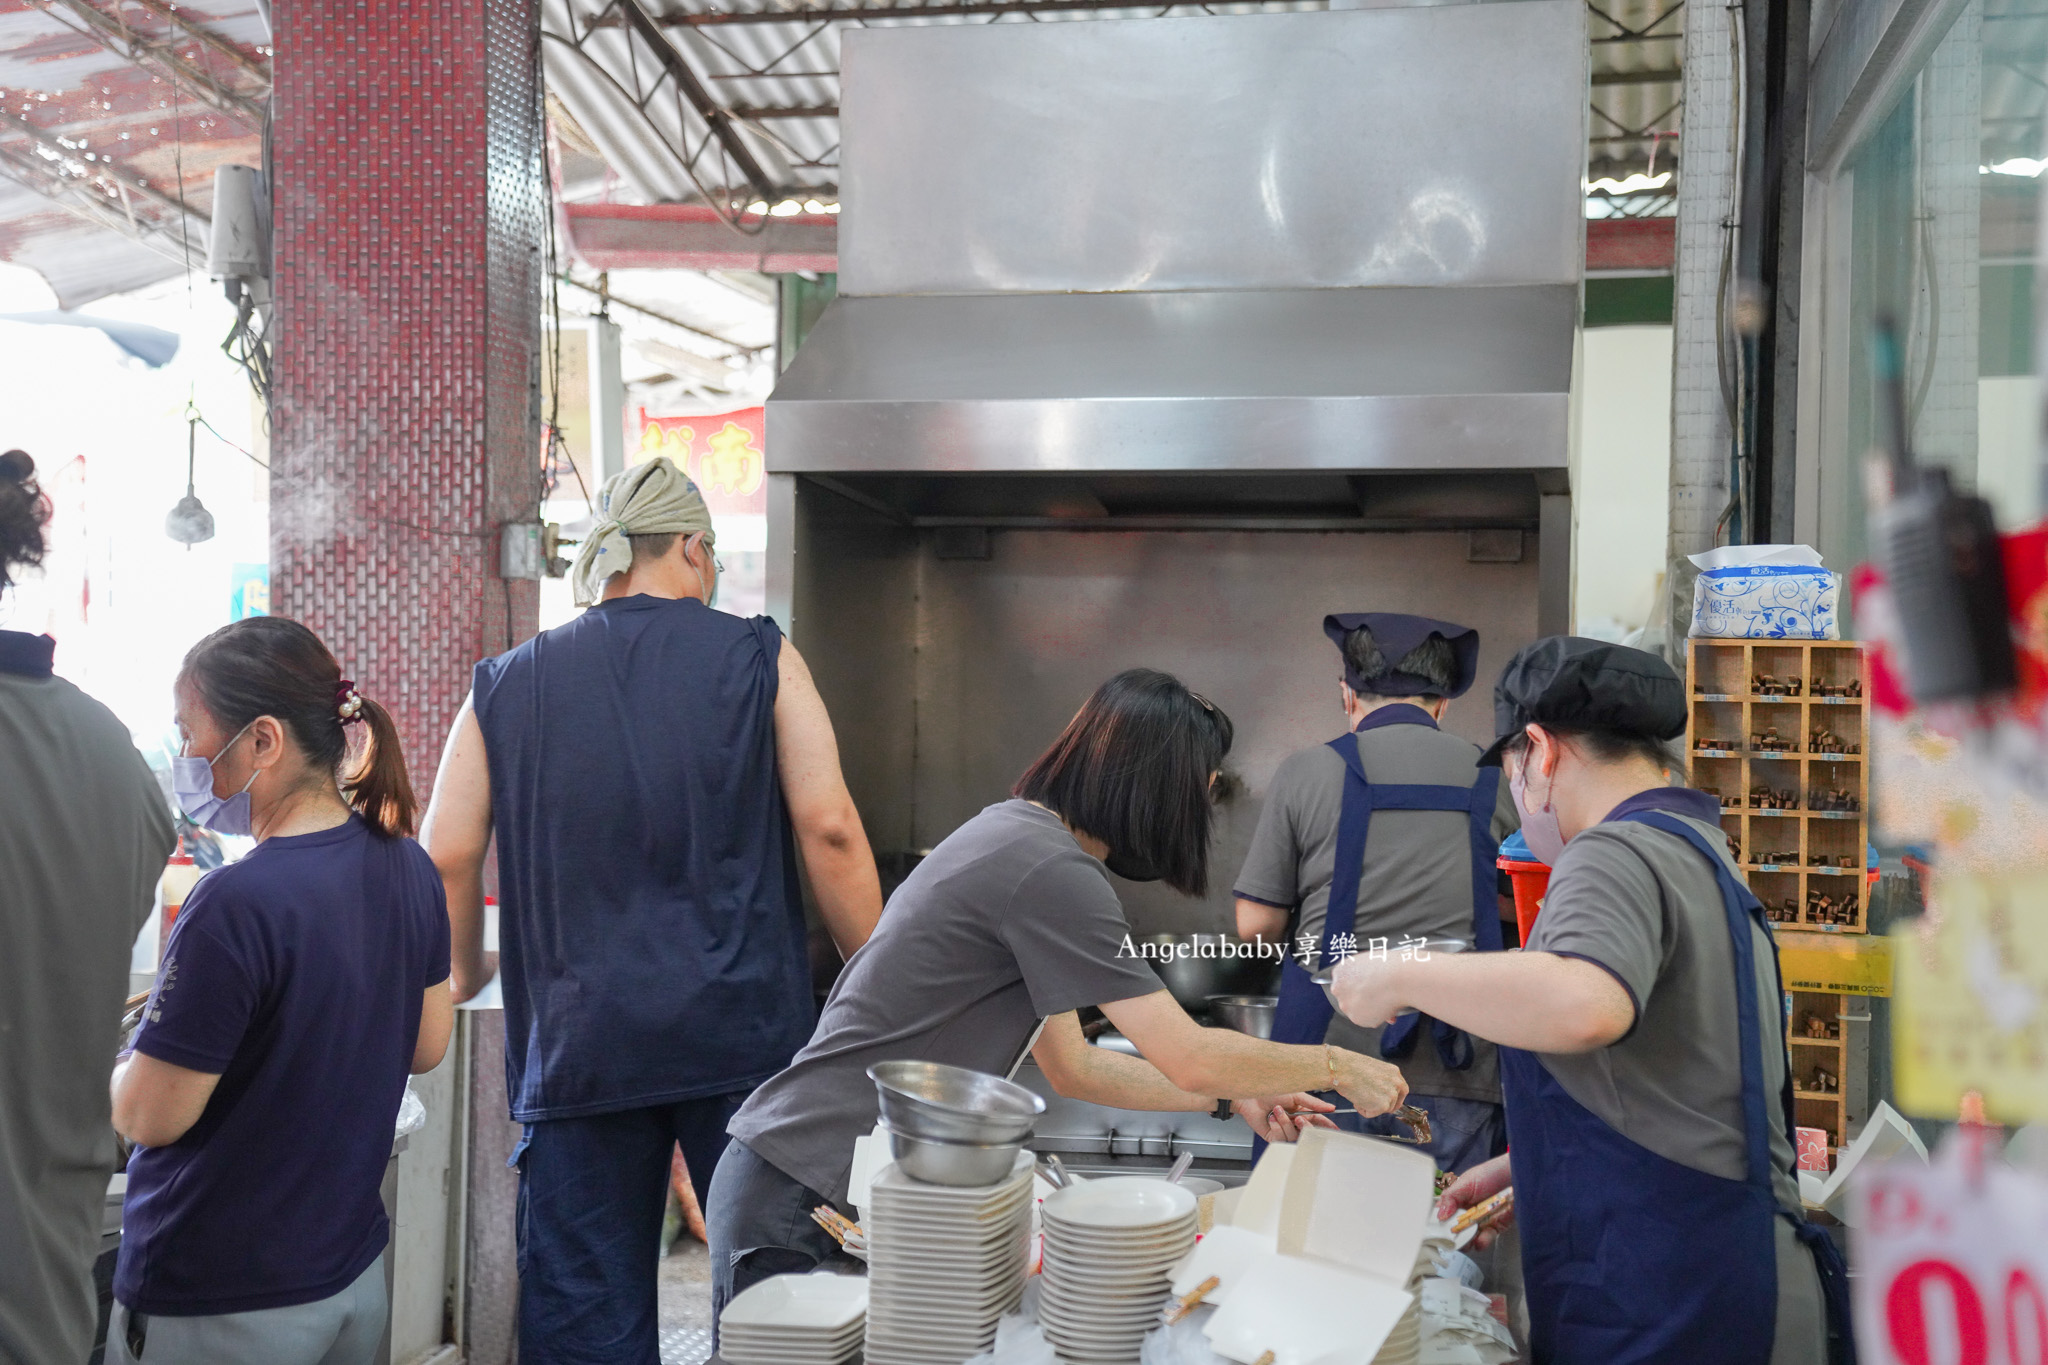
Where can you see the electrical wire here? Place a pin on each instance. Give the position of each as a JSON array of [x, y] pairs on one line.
[[557, 448], [192, 413]]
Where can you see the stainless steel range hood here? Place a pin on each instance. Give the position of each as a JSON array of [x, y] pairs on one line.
[[1314, 241]]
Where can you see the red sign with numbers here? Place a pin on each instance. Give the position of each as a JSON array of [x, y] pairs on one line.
[[1952, 1259]]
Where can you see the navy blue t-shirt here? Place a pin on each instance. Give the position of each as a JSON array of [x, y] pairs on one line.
[[296, 976], [651, 930]]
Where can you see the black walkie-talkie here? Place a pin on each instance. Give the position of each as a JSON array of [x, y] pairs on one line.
[[1941, 555]]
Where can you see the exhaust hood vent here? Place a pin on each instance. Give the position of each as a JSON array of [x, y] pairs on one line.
[[1261, 242]]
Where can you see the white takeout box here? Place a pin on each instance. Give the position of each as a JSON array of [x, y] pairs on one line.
[[1357, 1203], [1303, 1311], [1258, 1208], [1885, 1134], [1228, 1254], [1345, 1216]]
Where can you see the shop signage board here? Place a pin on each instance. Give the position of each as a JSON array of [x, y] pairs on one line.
[[723, 452], [1972, 1006], [1951, 1267], [1842, 963]]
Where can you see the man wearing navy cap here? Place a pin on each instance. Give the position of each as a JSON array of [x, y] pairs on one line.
[[1383, 842]]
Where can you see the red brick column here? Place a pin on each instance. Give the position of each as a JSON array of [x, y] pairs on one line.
[[409, 221], [405, 413]]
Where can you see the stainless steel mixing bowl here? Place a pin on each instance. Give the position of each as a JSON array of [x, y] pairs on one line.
[[952, 1163], [953, 1104]]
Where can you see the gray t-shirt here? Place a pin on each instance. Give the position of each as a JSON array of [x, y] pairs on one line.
[[1417, 880], [1644, 905], [84, 832], [1007, 922]]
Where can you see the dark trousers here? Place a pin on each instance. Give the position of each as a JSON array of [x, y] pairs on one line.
[[760, 1225], [592, 1192]]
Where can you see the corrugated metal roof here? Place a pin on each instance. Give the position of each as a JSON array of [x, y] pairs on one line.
[[96, 152]]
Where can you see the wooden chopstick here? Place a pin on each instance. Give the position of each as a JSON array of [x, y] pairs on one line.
[[1188, 1302], [838, 1224], [1486, 1210]]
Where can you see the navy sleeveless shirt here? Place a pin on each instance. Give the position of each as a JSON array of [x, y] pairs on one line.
[[651, 939]]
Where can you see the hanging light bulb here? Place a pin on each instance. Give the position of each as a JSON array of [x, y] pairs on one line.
[[189, 522]]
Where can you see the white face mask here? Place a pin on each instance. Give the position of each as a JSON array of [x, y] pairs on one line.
[[1539, 827], [192, 784]]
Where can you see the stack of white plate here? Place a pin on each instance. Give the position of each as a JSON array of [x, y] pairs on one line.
[[1403, 1345], [795, 1320], [944, 1263], [1110, 1246]]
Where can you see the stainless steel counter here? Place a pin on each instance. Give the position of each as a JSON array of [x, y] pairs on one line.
[[1093, 1139]]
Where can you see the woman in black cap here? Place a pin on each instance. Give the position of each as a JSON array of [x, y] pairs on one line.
[[1642, 1049]]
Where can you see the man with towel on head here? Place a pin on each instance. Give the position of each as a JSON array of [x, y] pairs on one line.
[[652, 772], [1383, 841]]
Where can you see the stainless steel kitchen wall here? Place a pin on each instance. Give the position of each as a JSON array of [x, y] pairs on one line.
[[946, 676]]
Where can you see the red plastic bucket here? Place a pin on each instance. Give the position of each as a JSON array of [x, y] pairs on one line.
[[1531, 881]]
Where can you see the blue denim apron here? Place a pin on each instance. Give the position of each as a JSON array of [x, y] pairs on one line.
[[1304, 1012], [1629, 1257]]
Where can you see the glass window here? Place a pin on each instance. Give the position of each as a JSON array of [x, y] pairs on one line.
[[1943, 203]]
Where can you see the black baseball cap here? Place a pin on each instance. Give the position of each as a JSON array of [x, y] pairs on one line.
[[1580, 684]]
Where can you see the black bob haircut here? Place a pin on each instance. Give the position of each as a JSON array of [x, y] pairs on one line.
[[1132, 768]]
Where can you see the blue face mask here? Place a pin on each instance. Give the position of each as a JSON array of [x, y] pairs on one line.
[[192, 784]]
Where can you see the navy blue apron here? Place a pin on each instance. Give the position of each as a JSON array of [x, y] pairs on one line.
[[1629, 1257], [1304, 1012]]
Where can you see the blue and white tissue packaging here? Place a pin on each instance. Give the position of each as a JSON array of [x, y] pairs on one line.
[[1765, 592]]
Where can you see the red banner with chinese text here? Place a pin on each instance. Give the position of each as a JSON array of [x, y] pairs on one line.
[[723, 453]]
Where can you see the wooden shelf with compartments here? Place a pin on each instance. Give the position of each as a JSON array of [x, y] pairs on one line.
[[1815, 1034], [1779, 731]]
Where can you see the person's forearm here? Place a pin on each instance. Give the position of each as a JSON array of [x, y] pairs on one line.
[[1538, 1002], [1101, 1076], [1237, 1065], [465, 888], [846, 885]]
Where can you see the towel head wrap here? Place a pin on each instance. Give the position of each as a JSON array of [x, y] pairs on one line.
[[650, 499]]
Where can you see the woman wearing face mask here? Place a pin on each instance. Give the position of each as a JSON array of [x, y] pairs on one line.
[[300, 986], [1642, 1046], [1008, 928]]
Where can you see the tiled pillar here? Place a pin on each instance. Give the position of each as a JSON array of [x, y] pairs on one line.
[[405, 414], [405, 409]]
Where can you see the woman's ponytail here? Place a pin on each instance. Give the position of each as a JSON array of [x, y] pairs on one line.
[[272, 666], [378, 786]]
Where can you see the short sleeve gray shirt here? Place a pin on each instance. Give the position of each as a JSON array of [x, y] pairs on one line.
[[1006, 923], [1417, 879], [1643, 904]]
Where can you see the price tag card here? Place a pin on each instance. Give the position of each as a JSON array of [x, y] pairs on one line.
[[1971, 1010], [1951, 1267]]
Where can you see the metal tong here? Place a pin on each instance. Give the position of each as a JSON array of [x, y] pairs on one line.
[[1420, 1133]]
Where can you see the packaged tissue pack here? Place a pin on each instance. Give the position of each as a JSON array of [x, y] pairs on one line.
[[1765, 592]]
